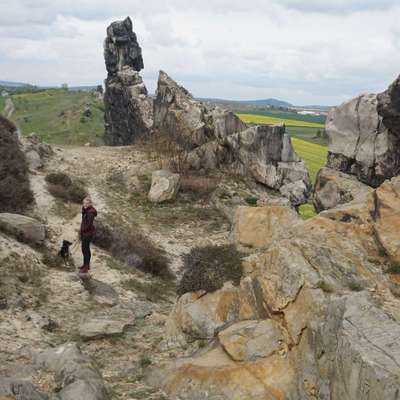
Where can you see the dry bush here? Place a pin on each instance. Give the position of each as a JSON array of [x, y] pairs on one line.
[[208, 268], [15, 193], [132, 248], [170, 151], [62, 187]]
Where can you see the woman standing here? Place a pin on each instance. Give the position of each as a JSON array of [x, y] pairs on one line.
[[87, 231]]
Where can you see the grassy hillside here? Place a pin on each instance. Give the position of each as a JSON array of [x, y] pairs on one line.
[[57, 116]]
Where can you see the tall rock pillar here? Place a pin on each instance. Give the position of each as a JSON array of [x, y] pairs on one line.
[[128, 108]]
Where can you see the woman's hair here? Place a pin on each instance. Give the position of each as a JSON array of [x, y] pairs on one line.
[[88, 199]]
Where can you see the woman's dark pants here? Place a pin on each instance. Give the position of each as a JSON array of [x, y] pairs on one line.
[[86, 249]]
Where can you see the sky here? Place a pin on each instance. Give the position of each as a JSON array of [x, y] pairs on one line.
[[302, 51]]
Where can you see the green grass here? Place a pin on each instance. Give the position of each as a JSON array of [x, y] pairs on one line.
[[314, 155], [56, 115], [307, 211], [264, 119]]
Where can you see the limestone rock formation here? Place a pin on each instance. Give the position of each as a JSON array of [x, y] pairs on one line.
[[128, 108], [364, 136], [216, 138], [164, 186], [313, 299]]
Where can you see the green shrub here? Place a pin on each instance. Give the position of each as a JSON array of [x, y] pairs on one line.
[[131, 247], [61, 186], [394, 268], [251, 200], [15, 193], [208, 268]]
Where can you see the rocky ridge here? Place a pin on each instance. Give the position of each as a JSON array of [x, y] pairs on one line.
[[215, 138]]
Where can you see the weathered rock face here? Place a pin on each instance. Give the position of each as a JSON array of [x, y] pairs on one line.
[[128, 108], [334, 188], [164, 186], [387, 216], [217, 138], [249, 340], [257, 227], [364, 136], [326, 324]]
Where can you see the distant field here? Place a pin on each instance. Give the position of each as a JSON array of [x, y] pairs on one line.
[[56, 115], [314, 155], [275, 113], [269, 120]]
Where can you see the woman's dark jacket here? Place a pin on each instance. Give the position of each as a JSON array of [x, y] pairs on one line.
[[87, 226]]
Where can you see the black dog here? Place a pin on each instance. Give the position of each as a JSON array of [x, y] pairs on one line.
[[64, 252]]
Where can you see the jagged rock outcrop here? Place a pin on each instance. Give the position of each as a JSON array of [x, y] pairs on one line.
[[331, 320], [128, 110], [364, 136], [215, 138]]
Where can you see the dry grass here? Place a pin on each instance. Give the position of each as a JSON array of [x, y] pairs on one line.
[[130, 246]]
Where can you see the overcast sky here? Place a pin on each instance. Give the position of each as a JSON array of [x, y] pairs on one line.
[[301, 51]]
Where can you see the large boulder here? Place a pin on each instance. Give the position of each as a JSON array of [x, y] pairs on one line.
[[201, 315], [364, 136], [217, 138], [164, 186], [128, 108], [25, 229]]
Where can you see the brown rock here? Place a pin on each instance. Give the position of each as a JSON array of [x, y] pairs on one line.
[[258, 227]]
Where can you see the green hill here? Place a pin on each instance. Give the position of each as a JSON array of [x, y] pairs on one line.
[[57, 115]]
